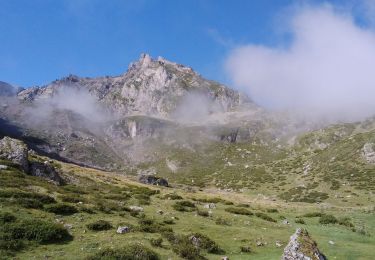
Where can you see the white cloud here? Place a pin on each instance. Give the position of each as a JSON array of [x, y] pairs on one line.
[[327, 70]]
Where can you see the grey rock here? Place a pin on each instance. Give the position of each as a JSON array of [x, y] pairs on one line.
[[153, 180], [210, 206], [16, 151], [3, 167], [136, 208], [302, 247], [46, 171], [122, 229]]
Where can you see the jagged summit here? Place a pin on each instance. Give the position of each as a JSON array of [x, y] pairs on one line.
[[150, 87]]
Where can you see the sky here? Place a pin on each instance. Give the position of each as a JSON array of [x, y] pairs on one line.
[[42, 40], [312, 56]]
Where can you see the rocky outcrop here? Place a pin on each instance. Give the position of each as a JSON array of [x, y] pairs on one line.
[[302, 247], [46, 171], [8, 90], [153, 180], [15, 151], [369, 152]]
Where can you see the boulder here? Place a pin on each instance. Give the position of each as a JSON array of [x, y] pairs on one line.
[[3, 167], [122, 230], [136, 208], [210, 206], [153, 180], [302, 247], [46, 171], [15, 151]]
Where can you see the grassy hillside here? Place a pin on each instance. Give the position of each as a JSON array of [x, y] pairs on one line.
[[79, 220]]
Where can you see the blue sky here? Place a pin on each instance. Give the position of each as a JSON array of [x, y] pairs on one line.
[[42, 40]]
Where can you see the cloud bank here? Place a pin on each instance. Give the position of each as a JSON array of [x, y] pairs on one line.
[[327, 70]]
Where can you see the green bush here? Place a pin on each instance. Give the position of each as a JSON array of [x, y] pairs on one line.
[[245, 249], [300, 221], [264, 217], [150, 226], [345, 221], [172, 196], [222, 221], [99, 225], [36, 230], [156, 242], [206, 243], [29, 203], [272, 210], [169, 221], [184, 205], [239, 211], [6, 217], [71, 198], [130, 252], [182, 246], [62, 209], [313, 215], [327, 219]]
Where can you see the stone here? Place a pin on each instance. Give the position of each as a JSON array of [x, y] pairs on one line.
[[122, 229], [331, 242], [136, 209], [46, 171], [15, 151], [278, 243], [225, 258], [160, 212], [210, 206], [285, 222], [368, 152], [3, 167], [302, 247], [153, 180]]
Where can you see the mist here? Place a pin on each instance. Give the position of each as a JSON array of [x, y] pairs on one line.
[[195, 107], [326, 70]]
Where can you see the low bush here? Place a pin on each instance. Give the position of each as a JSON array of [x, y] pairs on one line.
[[222, 221], [327, 219], [29, 203], [150, 226], [156, 242], [99, 225], [313, 215], [130, 252], [6, 217], [272, 210], [265, 217], [36, 230], [239, 211], [182, 246], [245, 249], [71, 198], [345, 221], [300, 221], [172, 196], [204, 242], [61, 208], [184, 205], [169, 221]]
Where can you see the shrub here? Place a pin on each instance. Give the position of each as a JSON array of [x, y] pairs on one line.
[[150, 226], [37, 230], [130, 252], [327, 219], [182, 246], [206, 243], [222, 221], [6, 217], [272, 211], [184, 205], [62, 209], [99, 225], [169, 221], [29, 203], [313, 215], [156, 242], [345, 221], [243, 205], [300, 221], [172, 196], [239, 211], [264, 217], [245, 249], [71, 198]]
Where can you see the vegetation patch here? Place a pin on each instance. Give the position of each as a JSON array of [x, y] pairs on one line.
[[61, 208], [99, 225], [239, 211], [130, 252], [184, 205]]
